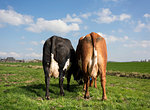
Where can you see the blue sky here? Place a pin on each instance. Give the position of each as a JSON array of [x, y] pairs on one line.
[[125, 24]]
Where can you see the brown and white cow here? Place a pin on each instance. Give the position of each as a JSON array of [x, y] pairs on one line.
[[92, 57]]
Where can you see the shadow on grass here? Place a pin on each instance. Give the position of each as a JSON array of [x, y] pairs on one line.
[[40, 89]]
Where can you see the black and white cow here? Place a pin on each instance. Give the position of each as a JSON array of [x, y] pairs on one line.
[[59, 59]]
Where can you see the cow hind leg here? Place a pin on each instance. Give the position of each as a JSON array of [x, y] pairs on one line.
[[95, 83], [47, 80], [61, 79], [91, 81], [68, 81], [84, 86], [103, 84], [87, 81]]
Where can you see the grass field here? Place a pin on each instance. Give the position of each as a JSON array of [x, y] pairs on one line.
[[140, 67], [22, 87]]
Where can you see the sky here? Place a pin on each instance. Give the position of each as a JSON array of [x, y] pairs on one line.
[[26, 24]]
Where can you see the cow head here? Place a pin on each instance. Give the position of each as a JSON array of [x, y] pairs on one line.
[[78, 76]]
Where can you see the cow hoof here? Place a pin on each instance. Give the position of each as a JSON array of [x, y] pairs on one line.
[[84, 89], [62, 94], [47, 97], [86, 97], [104, 98], [95, 86], [68, 89], [91, 84]]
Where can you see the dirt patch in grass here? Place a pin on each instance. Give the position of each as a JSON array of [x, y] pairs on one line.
[[6, 75], [131, 74], [0, 79], [11, 83], [15, 82], [35, 67], [29, 81], [9, 65]]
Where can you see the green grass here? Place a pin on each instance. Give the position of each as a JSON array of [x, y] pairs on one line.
[[22, 64], [22, 87], [140, 67]]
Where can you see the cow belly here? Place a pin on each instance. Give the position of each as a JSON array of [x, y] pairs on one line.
[[54, 67]]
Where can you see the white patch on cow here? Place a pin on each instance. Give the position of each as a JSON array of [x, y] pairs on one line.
[[67, 64], [95, 52], [54, 67], [93, 66], [83, 37]]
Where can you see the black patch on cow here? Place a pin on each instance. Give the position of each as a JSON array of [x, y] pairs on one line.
[[98, 39], [88, 39]]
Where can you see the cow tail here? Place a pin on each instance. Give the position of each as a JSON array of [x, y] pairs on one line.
[[53, 44], [94, 66], [52, 54]]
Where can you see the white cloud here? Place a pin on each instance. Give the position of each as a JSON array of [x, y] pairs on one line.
[[34, 43], [120, 30], [144, 54], [42, 42], [147, 15], [11, 17], [111, 38], [126, 37], [85, 27], [9, 54], [73, 20], [124, 16], [14, 54], [34, 55], [85, 15], [139, 27], [134, 43], [74, 15], [30, 49], [143, 24], [20, 55], [2, 25], [106, 16], [3, 54], [56, 26]]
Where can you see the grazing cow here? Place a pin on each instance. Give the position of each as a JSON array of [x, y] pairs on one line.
[[92, 58], [59, 60]]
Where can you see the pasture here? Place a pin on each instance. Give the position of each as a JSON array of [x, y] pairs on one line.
[[22, 87]]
